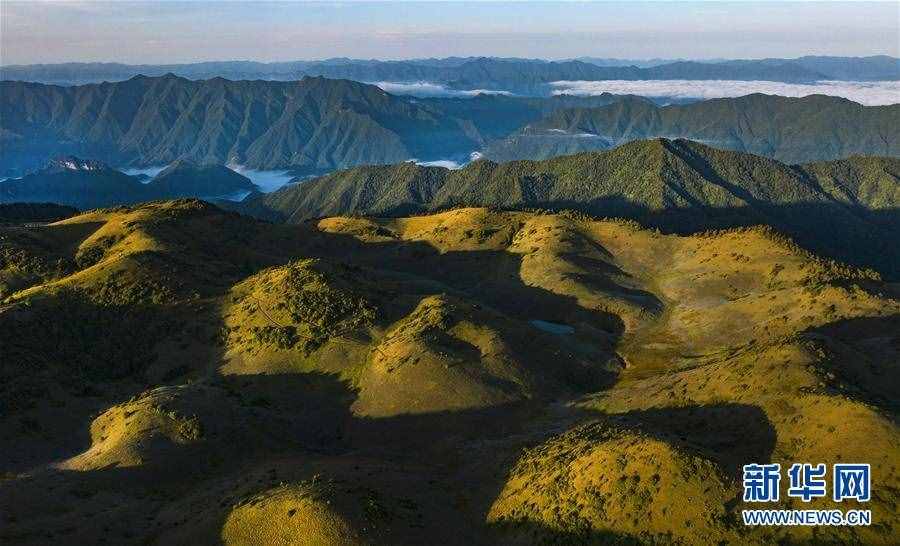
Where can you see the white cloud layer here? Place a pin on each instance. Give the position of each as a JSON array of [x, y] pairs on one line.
[[446, 163], [428, 89], [868, 93], [564, 133], [268, 181]]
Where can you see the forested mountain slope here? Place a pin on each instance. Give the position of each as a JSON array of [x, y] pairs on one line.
[[792, 130], [846, 208]]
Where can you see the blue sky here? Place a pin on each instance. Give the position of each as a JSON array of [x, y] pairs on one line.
[[175, 31]]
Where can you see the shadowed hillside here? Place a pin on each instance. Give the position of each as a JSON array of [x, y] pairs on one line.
[[175, 374], [792, 130], [90, 184], [21, 213]]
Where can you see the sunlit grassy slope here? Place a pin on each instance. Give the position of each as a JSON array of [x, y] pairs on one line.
[[174, 374]]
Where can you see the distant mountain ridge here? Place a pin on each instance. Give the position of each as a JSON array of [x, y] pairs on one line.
[[72, 163], [318, 124], [872, 68], [185, 179], [77, 187], [846, 209], [87, 184], [313, 125], [793, 130], [477, 72], [152, 121]]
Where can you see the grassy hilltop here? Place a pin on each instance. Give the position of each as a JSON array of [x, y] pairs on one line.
[[175, 374]]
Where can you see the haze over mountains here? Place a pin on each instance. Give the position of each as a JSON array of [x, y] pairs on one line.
[[516, 75]]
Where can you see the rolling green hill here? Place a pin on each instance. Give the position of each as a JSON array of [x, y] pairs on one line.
[[793, 130], [846, 209]]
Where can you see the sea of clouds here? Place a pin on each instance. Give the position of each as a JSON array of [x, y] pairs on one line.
[[868, 93], [429, 89], [268, 181]]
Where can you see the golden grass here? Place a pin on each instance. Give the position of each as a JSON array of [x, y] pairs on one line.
[[410, 341]]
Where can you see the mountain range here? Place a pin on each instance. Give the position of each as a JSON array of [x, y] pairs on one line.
[[846, 209], [87, 184], [153, 121], [792, 130], [517, 75], [318, 124], [583, 349]]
